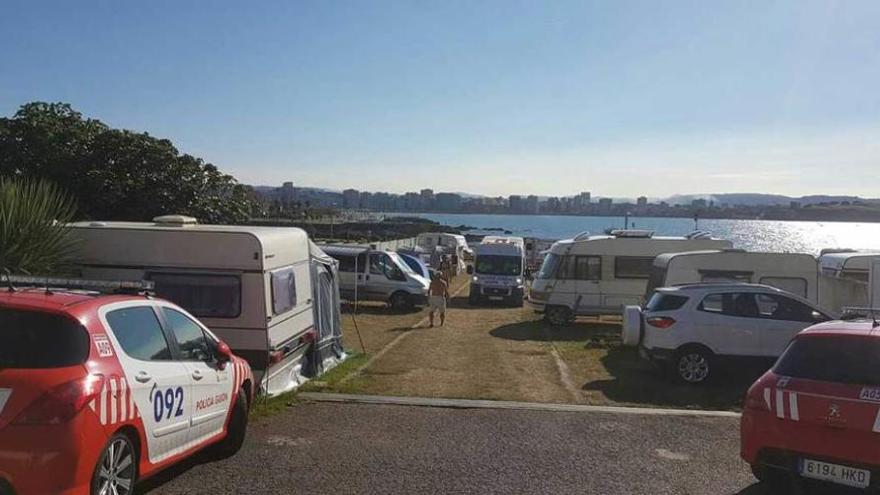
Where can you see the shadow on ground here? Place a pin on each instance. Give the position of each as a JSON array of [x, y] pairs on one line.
[[634, 380], [381, 309], [538, 331], [461, 302]]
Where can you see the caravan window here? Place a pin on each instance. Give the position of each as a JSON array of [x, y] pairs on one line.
[[283, 290], [632, 267], [203, 295], [581, 268], [549, 266], [797, 286], [725, 276], [857, 275]]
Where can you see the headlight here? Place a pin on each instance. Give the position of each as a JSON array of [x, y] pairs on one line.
[[476, 278], [519, 281]]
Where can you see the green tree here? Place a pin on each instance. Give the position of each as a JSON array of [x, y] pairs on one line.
[[34, 238], [117, 174]]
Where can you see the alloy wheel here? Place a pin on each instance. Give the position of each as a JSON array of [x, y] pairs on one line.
[[117, 472], [693, 367]]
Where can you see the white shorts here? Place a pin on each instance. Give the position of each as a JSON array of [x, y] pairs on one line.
[[437, 303]]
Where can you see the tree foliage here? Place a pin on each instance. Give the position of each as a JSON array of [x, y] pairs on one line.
[[116, 174], [34, 238]]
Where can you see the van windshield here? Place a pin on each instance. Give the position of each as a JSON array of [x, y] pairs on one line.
[[496, 264], [403, 265], [549, 266]]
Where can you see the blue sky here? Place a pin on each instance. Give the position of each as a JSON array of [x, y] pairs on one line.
[[621, 98]]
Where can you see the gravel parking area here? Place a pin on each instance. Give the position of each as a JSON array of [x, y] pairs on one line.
[[354, 448]]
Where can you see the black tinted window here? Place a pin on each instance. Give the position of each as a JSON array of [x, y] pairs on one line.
[[138, 332], [832, 359], [31, 339], [665, 302], [189, 336], [204, 295], [632, 267]]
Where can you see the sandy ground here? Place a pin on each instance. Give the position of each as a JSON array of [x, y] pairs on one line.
[[507, 353]]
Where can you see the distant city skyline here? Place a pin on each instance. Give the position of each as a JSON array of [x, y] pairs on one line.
[[493, 98]]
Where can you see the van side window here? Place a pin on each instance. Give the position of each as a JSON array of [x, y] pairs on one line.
[[632, 266], [189, 336], [203, 295], [588, 267], [346, 263], [283, 290], [138, 331], [797, 286]]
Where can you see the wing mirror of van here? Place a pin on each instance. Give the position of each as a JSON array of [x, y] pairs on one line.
[[224, 354], [470, 269]]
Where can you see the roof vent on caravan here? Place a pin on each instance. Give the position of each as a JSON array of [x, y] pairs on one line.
[[583, 235], [97, 224], [632, 233], [699, 234], [175, 221]]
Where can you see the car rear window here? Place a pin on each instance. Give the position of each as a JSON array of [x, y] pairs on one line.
[[832, 359], [665, 302], [33, 339]]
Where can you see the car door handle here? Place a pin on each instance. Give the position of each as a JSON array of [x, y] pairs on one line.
[[197, 375], [143, 377]]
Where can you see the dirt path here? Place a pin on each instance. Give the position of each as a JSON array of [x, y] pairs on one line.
[[481, 353]]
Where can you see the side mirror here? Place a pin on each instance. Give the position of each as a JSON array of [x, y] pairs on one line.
[[470, 269], [224, 354]]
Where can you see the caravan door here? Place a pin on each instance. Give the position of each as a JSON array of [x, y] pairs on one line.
[[579, 283]]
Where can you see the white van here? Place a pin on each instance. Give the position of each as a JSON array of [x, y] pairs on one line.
[[268, 292], [797, 273], [449, 243], [367, 274], [595, 275], [849, 264], [499, 270]]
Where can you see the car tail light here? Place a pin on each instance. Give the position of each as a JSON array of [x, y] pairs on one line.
[[755, 402], [660, 321], [61, 403]]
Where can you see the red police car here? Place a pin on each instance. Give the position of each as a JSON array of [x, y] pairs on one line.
[[816, 414], [98, 391]]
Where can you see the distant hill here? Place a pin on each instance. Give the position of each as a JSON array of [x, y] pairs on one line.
[[757, 199]]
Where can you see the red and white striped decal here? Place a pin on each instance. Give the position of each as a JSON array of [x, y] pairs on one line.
[[115, 403], [778, 399]]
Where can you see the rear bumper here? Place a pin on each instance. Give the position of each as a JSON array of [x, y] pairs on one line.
[[52, 458]]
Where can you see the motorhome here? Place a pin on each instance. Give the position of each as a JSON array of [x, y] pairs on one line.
[[595, 275], [849, 264], [499, 270], [268, 292], [797, 273], [368, 274], [448, 244]]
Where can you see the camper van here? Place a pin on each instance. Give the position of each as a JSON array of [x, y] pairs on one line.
[[367, 274], [796, 273], [448, 243], [849, 264], [499, 270], [268, 292], [595, 275]]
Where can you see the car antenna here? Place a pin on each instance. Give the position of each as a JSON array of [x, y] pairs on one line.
[[874, 323], [48, 290], [10, 287]]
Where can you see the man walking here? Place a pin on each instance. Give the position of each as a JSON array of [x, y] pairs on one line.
[[438, 294]]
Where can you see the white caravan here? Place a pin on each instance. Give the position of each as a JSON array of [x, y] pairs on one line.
[[595, 275], [449, 244], [853, 265], [796, 273], [499, 270], [268, 292], [367, 274]]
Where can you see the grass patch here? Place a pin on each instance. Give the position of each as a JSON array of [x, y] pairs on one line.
[[331, 380]]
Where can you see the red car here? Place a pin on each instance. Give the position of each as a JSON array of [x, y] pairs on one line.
[[98, 391], [816, 414]]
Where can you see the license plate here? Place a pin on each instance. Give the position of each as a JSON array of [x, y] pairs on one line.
[[495, 298], [835, 473]]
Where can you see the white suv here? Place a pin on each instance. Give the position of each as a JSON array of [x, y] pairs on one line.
[[691, 329]]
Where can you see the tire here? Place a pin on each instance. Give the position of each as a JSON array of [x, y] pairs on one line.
[[557, 315], [116, 470], [473, 299], [237, 430], [693, 365], [400, 301], [631, 330]]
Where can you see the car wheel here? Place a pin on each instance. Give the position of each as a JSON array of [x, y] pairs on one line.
[[693, 365], [237, 430], [557, 315], [400, 300], [116, 471]]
